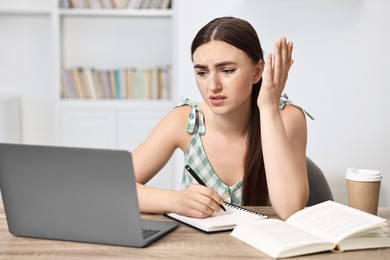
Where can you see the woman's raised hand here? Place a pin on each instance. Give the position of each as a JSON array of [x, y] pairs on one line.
[[277, 66]]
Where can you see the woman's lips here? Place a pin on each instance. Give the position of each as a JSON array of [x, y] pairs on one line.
[[217, 100]]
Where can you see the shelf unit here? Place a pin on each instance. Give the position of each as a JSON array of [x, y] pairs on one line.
[[131, 38], [123, 39], [109, 39], [104, 39]]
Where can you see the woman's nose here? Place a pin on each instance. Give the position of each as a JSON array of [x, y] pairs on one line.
[[215, 84]]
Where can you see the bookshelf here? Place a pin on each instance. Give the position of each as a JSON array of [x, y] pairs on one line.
[[141, 63], [133, 46], [85, 38], [113, 40]]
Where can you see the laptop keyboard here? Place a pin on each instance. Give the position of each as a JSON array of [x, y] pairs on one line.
[[149, 232]]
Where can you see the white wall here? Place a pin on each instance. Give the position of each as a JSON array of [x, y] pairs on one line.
[[25, 67], [341, 53]]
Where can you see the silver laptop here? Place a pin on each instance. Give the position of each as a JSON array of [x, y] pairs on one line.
[[74, 194]]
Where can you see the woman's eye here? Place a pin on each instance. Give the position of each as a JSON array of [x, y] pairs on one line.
[[228, 71], [201, 73]]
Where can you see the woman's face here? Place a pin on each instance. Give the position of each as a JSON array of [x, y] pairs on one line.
[[225, 76]]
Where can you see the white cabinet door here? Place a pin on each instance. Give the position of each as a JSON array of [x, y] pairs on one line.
[[114, 126], [85, 128], [10, 120], [134, 125]]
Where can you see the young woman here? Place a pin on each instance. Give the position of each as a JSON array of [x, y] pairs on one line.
[[246, 142]]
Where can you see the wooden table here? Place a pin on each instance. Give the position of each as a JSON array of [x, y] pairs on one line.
[[182, 243]]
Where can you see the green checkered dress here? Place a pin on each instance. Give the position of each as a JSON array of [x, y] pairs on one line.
[[195, 155]]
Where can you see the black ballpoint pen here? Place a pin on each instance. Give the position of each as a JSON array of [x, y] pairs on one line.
[[199, 180]]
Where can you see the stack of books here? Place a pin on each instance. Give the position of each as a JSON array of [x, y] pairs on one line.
[[126, 83]]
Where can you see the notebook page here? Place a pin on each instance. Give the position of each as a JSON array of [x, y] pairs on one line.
[[222, 220]]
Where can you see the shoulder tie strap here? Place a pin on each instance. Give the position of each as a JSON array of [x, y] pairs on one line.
[[195, 118], [284, 100]]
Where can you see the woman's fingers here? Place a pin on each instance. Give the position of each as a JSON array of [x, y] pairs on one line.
[[282, 60], [290, 49], [199, 201], [277, 61], [210, 198], [269, 71], [286, 55]]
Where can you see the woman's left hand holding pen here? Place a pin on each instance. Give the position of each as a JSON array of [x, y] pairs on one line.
[[197, 201]]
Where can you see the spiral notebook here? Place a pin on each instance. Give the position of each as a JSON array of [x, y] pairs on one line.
[[220, 221]]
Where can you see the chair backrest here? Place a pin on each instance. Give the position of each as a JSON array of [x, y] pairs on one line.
[[319, 187]]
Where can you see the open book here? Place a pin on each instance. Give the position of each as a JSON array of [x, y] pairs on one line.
[[220, 221], [322, 227]]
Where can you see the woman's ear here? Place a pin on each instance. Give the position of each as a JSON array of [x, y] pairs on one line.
[[259, 67]]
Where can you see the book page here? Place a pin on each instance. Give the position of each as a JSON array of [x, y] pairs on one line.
[[334, 221], [279, 239]]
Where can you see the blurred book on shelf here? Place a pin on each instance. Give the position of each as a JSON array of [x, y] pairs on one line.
[[125, 83]]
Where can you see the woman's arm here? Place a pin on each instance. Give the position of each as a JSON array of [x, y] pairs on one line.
[[151, 156], [284, 137], [284, 150]]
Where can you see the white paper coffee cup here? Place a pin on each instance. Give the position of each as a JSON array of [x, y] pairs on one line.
[[363, 186]]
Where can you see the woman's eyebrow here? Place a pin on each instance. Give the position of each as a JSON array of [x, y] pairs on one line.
[[224, 63], [217, 65], [199, 66]]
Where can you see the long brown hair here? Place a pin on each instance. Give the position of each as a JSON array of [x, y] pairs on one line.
[[243, 36]]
